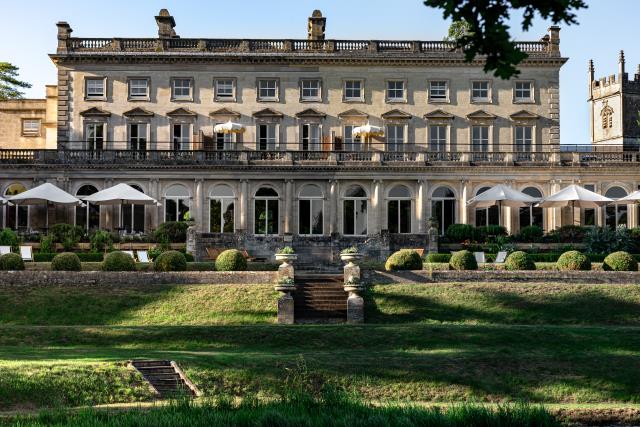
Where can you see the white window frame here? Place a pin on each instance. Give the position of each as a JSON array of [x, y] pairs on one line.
[[271, 141], [439, 140], [438, 98], [348, 139], [312, 200], [388, 90], [33, 130], [396, 139], [177, 199], [138, 97], [480, 99], [355, 199], [174, 86], [398, 199], [480, 148], [216, 89], [138, 139], [266, 199], [520, 144], [222, 199], [184, 142], [519, 99], [345, 89], [91, 144], [226, 139], [88, 96], [260, 88], [310, 98], [313, 142]]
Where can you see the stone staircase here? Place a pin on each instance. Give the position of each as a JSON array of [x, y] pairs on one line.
[[165, 377], [319, 298]]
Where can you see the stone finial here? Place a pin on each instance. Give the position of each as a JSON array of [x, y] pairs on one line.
[[64, 34], [316, 26], [554, 40], [621, 64], [592, 72], [166, 24]]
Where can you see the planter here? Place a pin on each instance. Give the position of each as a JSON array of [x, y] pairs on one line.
[[286, 258], [284, 288], [354, 288], [350, 258]]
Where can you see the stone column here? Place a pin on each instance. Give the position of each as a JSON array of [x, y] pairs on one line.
[[465, 195], [354, 286], [377, 208], [421, 206], [333, 206], [244, 204], [198, 214], [286, 285], [288, 206]]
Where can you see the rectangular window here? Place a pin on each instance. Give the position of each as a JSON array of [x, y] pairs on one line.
[[94, 136], [267, 137], [354, 217], [395, 138], [524, 139], [221, 215], [438, 90], [223, 141], [395, 90], [353, 90], [181, 89], [438, 138], [399, 216], [138, 136], [31, 127], [310, 90], [480, 139], [224, 90], [266, 217], [351, 143], [181, 136], [268, 90], [94, 88], [138, 89], [523, 91], [310, 137], [480, 91], [310, 217], [589, 214]]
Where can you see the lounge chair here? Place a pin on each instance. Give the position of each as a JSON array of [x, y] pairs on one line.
[[143, 256], [420, 252], [248, 257], [5, 250], [501, 257], [26, 252], [213, 253], [130, 253], [480, 259]]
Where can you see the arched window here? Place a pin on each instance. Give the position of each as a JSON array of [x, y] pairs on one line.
[[266, 216], [607, 117], [443, 207], [16, 216], [310, 210], [399, 210], [89, 215], [487, 216], [354, 213], [176, 203], [616, 215], [530, 215], [221, 209], [133, 216]]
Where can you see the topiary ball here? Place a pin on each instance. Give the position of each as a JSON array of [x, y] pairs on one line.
[[231, 260], [118, 261], [11, 262], [404, 259], [463, 260], [519, 260], [573, 260], [620, 261], [66, 261], [170, 261]]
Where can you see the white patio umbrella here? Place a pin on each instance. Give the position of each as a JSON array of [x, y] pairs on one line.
[[576, 197], [120, 194], [502, 195], [45, 194], [629, 199], [367, 130], [4, 201], [229, 127]]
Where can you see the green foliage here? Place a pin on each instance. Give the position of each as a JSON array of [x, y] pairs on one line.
[[458, 30], [83, 256], [66, 261], [486, 32], [170, 261], [101, 241], [433, 257], [66, 234], [155, 252], [118, 261], [350, 250], [489, 233], [47, 245], [231, 260], [172, 232], [463, 260], [568, 234], [11, 262], [9, 84], [530, 234], [620, 261], [8, 237], [600, 240], [404, 259], [459, 233], [573, 260], [519, 260], [287, 250]]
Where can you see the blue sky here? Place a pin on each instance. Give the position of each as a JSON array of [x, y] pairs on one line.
[[28, 33]]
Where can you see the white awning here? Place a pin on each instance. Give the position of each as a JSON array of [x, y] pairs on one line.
[[574, 196], [502, 195], [367, 130], [629, 199], [120, 194], [44, 194], [229, 127]]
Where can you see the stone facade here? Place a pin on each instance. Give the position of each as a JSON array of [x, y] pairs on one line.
[[29, 123]]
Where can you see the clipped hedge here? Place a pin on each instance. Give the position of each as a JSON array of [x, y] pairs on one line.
[[531, 234], [463, 260], [231, 260], [620, 261], [460, 232], [83, 256], [118, 261], [66, 261], [404, 259], [11, 262], [170, 261], [433, 257], [519, 260], [573, 260]]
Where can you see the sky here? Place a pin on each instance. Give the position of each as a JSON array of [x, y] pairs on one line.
[[28, 33]]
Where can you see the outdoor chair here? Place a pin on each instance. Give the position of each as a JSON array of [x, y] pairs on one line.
[[501, 257], [26, 252], [248, 257], [420, 252], [143, 256], [213, 253], [480, 259], [131, 254], [5, 250]]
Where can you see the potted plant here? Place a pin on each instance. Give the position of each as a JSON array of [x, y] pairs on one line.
[[285, 285], [350, 254], [286, 254]]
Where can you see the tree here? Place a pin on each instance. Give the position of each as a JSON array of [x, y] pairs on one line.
[[488, 33], [9, 84], [457, 30]]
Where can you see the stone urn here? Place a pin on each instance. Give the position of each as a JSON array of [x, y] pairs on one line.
[[353, 286], [285, 285], [286, 258], [351, 257]]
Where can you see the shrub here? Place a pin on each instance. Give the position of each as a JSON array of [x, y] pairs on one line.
[[568, 234], [47, 245], [66, 234], [118, 261], [620, 261], [519, 260], [530, 234], [101, 241], [231, 260], [11, 262], [350, 250], [83, 256], [172, 232], [458, 233], [170, 261], [8, 237], [600, 240], [404, 259], [438, 257], [573, 260], [287, 250], [489, 232], [463, 260], [66, 261]]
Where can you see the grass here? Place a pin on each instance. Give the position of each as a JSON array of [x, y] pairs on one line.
[[444, 266]]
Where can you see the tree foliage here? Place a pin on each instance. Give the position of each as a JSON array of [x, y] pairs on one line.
[[9, 84], [480, 27]]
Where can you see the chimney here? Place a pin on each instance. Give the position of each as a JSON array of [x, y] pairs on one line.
[[554, 40], [64, 34], [316, 26], [592, 72], [166, 24], [621, 74]]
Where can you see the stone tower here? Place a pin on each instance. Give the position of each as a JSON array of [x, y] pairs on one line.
[[316, 26], [614, 107]]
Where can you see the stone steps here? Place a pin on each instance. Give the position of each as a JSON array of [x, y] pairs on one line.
[[319, 298], [165, 377]]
